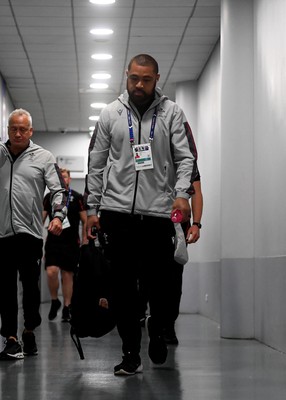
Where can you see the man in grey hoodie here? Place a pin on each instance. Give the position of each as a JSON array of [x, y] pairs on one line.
[[26, 169], [142, 161]]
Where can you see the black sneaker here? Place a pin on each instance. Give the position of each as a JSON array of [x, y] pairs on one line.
[[55, 306], [157, 349], [170, 336], [29, 344], [66, 315], [130, 365], [12, 351]]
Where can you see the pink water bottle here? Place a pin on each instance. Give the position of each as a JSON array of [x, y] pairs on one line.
[[176, 216]]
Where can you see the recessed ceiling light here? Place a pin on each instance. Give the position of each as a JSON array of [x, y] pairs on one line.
[[101, 76], [94, 117], [102, 1], [98, 105], [98, 85], [101, 56], [101, 31]]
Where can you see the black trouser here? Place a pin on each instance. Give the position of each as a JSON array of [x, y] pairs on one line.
[[175, 294], [24, 253], [139, 246], [174, 298]]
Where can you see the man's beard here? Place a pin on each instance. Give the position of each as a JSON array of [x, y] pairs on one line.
[[140, 97]]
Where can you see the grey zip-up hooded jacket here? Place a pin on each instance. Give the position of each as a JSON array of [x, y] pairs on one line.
[[22, 186], [112, 181]]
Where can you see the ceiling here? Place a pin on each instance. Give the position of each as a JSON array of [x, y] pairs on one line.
[[46, 48]]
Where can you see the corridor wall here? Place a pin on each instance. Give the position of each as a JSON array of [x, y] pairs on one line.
[[238, 269]]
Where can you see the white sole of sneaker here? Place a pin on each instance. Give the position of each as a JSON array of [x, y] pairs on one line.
[[30, 354], [122, 372], [18, 356]]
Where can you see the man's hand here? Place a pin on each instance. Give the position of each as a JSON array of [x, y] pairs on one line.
[[193, 234], [55, 226], [184, 206], [92, 222]]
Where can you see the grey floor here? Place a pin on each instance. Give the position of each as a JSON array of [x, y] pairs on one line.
[[202, 367]]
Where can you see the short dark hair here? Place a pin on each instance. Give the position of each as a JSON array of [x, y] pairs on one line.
[[144, 59]]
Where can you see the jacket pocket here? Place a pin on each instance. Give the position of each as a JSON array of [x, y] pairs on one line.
[[5, 214]]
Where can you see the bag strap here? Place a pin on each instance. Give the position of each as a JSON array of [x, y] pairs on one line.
[[77, 343]]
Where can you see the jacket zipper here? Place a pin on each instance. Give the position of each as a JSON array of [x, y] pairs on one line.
[[10, 194], [137, 172]]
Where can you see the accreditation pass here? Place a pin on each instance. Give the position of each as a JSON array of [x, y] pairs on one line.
[[142, 155]]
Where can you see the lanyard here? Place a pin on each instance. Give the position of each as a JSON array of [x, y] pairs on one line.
[[130, 126], [69, 197]]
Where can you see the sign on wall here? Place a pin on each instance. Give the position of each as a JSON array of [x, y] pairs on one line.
[[73, 163]]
